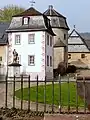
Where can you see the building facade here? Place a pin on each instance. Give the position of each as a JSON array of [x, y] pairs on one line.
[[60, 28], [3, 47], [78, 50], [31, 35]]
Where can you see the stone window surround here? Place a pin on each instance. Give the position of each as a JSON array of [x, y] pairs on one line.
[[31, 60], [17, 39], [31, 38]]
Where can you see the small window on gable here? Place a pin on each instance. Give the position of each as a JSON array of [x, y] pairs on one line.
[[31, 38], [82, 55], [64, 36], [17, 39], [47, 39], [69, 56], [0, 58], [25, 20]]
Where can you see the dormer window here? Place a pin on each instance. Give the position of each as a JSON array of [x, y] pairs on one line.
[[25, 20]]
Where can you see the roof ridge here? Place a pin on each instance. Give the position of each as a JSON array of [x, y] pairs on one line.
[[29, 12]]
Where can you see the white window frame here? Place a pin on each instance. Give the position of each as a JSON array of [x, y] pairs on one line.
[[31, 38], [17, 39], [25, 20], [31, 62]]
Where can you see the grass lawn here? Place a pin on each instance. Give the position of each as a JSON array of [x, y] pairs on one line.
[[64, 94]]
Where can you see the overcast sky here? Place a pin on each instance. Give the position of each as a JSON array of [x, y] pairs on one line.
[[76, 11]]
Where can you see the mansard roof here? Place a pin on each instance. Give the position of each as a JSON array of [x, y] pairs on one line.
[[57, 19], [3, 34], [36, 22], [51, 12]]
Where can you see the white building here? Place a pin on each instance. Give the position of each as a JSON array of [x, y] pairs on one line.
[[31, 35]]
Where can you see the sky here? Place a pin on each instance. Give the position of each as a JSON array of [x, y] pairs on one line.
[[77, 12]]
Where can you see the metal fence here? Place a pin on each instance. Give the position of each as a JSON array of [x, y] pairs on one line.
[[81, 83]]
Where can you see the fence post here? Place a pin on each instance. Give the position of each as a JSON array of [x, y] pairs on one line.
[[68, 94], [76, 94], [29, 93], [21, 92], [53, 96], [37, 95], [84, 95], [45, 95], [6, 91], [14, 92], [59, 93]]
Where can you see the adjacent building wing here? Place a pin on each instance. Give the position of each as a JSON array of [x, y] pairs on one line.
[[76, 43]]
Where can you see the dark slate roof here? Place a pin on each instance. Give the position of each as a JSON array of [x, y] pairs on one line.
[[29, 12], [51, 12], [57, 20], [36, 22], [86, 37], [59, 43], [3, 34]]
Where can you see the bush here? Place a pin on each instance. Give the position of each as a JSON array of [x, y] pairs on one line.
[[61, 69], [71, 69]]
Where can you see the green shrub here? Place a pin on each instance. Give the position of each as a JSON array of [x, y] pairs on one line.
[[71, 69]]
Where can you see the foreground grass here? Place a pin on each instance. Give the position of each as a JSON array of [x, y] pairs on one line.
[[64, 94]]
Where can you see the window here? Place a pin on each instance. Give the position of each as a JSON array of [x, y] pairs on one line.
[[31, 38], [69, 56], [31, 60], [47, 39], [50, 41], [47, 60], [0, 58], [64, 36], [25, 21], [17, 39], [82, 55], [50, 60]]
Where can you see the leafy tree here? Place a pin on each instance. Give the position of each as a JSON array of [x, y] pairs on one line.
[[8, 11]]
